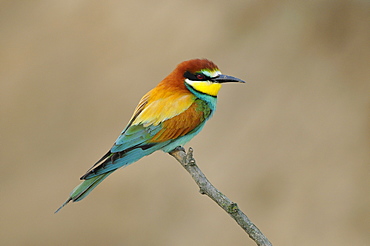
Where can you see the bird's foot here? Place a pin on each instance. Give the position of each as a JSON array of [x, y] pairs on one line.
[[179, 153], [178, 148], [186, 159]]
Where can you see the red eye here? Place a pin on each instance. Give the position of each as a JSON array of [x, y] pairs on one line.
[[200, 76]]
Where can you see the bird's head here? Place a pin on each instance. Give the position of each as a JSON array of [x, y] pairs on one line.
[[200, 75]]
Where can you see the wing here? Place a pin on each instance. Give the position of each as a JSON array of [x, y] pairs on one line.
[[182, 124], [155, 124], [150, 118]]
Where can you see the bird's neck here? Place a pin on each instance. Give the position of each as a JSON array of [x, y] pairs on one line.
[[210, 100]]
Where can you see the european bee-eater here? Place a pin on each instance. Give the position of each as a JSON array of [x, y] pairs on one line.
[[167, 116]]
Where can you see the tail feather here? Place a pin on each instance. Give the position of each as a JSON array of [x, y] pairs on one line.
[[116, 160], [83, 189]]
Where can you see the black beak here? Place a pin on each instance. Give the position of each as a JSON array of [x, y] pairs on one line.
[[226, 78]]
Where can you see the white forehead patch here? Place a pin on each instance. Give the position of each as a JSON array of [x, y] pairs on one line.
[[211, 74]]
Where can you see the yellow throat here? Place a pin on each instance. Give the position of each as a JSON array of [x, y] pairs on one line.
[[206, 87]]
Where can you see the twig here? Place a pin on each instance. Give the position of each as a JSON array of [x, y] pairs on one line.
[[206, 188]]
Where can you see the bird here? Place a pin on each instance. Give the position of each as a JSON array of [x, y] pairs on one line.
[[168, 116]]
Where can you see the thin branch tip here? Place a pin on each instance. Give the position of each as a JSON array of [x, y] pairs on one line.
[[190, 161]]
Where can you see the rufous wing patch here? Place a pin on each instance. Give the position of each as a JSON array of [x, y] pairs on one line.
[[179, 125]]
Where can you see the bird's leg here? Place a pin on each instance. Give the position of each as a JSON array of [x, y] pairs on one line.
[[185, 158], [178, 148]]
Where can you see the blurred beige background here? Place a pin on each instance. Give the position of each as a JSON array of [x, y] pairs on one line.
[[291, 146]]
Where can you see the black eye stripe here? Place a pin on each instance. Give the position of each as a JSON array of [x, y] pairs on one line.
[[196, 76]]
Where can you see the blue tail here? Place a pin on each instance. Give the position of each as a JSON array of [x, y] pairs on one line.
[[107, 165], [83, 189]]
